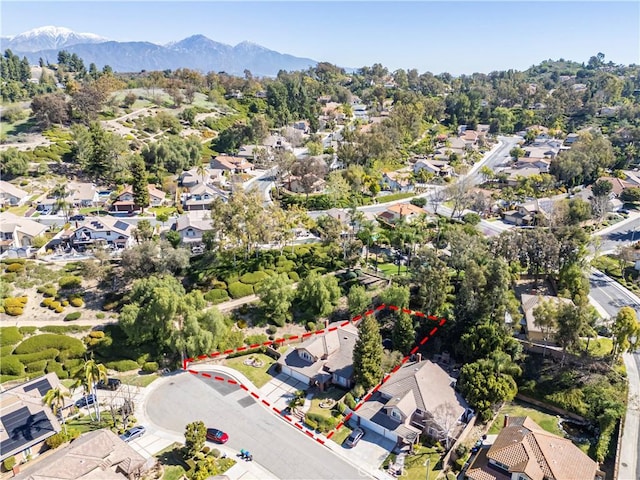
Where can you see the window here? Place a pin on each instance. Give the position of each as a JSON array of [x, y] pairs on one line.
[[395, 414], [108, 233]]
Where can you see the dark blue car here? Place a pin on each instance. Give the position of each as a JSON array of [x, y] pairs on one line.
[[86, 401]]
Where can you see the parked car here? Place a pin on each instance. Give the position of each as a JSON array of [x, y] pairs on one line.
[[110, 384], [78, 218], [217, 436], [133, 433], [86, 401], [354, 437]]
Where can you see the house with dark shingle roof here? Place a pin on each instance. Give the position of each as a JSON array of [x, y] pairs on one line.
[[523, 450], [419, 398], [26, 421], [323, 359]]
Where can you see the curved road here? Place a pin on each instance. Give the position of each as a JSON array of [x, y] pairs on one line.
[[285, 452]]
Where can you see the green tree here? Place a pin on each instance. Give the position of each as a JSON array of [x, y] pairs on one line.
[[430, 274], [625, 327], [403, 334], [140, 183], [276, 296], [367, 353], [54, 399], [318, 294], [13, 163], [173, 238], [195, 436], [395, 295], [631, 194], [358, 300], [488, 382]]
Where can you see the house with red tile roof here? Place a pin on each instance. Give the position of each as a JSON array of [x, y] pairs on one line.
[[523, 450]]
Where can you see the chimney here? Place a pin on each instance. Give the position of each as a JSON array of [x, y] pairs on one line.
[[418, 357], [506, 421]]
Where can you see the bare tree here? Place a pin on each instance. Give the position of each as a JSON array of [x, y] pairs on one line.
[[460, 194], [437, 198], [445, 420], [310, 171]]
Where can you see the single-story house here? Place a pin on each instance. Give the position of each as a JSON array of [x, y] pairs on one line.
[[18, 232], [100, 454], [534, 332], [231, 164], [108, 230], [26, 421], [420, 398], [191, 178], [295, 185], [542, 164], [526, 213], [399, 180], [83, 194], [439, 168], [408, 211], [523, 450], [323, 360], [12, 195]]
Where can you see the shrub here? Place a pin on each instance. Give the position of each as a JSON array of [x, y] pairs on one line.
[[26, 330], [216, 453], [150, 367], [46, 354], [76, 302], [72, 363], [48, 291], [100, 315], [54, 441], [6, 350], [56, 367], [216, 296], [123, 365], [271, 330], [69, 281], [11, 366], [72, 316], [65, 329], [96, 334], [254, 339], [206, 449], [350, 401], [14, 268], [64, 303], [11, 261], [294, 276], [38, 366], [55, 305], [73, 346], [9, 336], [15, 302], [311, 423], [252, 278], [242, 324], [322, 423], [218, 285], [311, 327], [9, 463], [239, 290]]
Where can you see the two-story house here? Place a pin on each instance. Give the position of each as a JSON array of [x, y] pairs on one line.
[[406, 211], [124, 202], [192, 225], [228, 163], [323, 360], [200, 197], [26, 421], [535, 332], [105, 230], [83, 194], [524, 451], [438, 168], [419, 398]]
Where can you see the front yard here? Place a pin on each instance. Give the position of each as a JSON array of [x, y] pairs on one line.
[[416, 466], [254, 367]]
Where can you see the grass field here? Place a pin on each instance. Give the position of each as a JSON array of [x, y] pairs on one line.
[[257, 375], [332, 393], [416, 466], [139, 380], [547, 421]]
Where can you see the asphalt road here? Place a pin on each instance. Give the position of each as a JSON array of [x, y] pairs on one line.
[[629, 467], [281, 449], [625, 234], [610, 295]]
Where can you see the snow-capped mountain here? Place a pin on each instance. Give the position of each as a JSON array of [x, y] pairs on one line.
[[50, 37], [196, 52]]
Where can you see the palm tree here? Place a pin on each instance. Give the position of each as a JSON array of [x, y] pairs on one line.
[[54, 398], [201, 170], [88, 376]]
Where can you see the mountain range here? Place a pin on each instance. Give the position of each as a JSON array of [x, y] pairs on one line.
[[196, 52]]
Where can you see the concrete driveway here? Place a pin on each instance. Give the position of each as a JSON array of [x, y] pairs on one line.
[[280, 390], [369, 452]]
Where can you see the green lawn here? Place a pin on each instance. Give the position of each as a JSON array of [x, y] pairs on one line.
[[157, 210], [84, 424], [391, 269], [139, 380], [546, 421], [341, 435], [394, 196], [600, 347], [332, 393], [172, 462], [19, 211], [257, 375]]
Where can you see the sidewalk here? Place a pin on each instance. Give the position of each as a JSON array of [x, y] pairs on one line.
[[631, 217]]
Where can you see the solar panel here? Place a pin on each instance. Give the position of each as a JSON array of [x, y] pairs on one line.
[[121, 225], [43, 386], [24, 429]]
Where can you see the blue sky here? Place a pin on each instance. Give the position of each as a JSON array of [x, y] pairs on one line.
[[454, 36]]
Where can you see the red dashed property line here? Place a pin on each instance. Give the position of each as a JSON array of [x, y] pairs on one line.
[[356, 319]]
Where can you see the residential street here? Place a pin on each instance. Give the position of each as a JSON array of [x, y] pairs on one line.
[[282, 450], [610, 295], [629, 468], [624, 232]]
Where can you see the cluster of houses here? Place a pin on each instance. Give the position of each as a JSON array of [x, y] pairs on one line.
[[27, 422]]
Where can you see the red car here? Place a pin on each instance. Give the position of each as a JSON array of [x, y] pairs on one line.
[[217, 436]]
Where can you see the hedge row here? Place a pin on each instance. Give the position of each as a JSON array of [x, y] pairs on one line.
[[9, 336], [11, 366], [239, 290], [72, 316], [73, 347], [63, 329], [38, 366], [122, 365], [216, 296], [252, 278], [6, 350], [56, 367], [46, 354]]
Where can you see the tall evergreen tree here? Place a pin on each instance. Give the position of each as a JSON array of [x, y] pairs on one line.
[[140, 183], [403, 334], [367, 353]]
